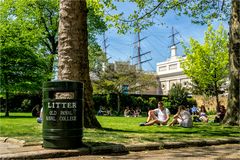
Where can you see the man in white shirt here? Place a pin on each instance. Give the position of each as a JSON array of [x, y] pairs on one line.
[[159, 116]]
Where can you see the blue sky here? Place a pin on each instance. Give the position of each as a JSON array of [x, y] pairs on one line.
[[121, 47]]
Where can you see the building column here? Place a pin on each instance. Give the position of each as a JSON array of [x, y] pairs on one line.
[[167, 86]]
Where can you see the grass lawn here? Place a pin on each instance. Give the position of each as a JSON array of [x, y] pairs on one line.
[[123, 130]]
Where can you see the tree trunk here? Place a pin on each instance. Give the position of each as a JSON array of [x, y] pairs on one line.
[[232, 116], [216, 95], [7, 96], [6, 104], [118, 103], [73, 54]]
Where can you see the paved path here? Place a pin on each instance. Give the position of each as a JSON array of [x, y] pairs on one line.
[[8, 148], [220, 152]]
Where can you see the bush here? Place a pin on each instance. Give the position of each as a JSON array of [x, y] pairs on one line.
[[191, 102], [99, 100], [177, 96], [144, 102], [26, 104]]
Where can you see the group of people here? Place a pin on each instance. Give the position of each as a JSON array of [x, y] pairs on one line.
[[183, 117], [130, 112], [202, 115], [102, 111], [161, 116]]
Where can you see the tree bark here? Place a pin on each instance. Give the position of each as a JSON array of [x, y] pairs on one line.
[[118, 103], [73, 53], [7, 96], [6, 103], [216, 95], [232, 116]]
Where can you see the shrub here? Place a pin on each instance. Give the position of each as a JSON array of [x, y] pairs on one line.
[[177, 96]]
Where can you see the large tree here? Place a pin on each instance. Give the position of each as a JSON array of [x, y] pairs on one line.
[[207, 64], [22, 67], [73, 52], [233, 112], [21, 71]]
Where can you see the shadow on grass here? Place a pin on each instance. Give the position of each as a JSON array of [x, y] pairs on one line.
[[14, 117], [175, 131]]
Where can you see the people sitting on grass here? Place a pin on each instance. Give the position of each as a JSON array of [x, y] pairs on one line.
[[137, 112], [127, 112], [40, 118], [130, 112], [203, 114], [158, 116], [108, 112], [220, 114], [183, 117], [36, 111], [194, 110], [100, 111], [104, 111]]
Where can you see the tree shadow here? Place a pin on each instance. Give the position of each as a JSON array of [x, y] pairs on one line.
[[106, 148], [15, 117], [202, 132]]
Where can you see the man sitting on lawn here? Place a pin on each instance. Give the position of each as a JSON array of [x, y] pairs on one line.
[[159, 116]]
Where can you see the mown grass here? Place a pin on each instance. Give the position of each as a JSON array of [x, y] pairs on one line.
[[123, 130]]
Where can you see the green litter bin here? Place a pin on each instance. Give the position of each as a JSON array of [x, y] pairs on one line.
[[62, 114]]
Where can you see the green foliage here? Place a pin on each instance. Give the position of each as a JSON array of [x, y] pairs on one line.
[[133, 101], [207, 64], [112, 81], [35, 22], [152, 102], [22, 71], [177, 96], [112, 101], [166, 102], [96, 58], [26, 104], [191, 101], [99, 100], [139, 101], [142, 13]]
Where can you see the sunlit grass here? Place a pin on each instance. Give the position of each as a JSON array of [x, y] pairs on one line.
[[118, 130]]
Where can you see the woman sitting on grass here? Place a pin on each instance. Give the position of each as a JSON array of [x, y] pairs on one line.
[[40, 118], [220, 114], [158, 116], [203, 114], [183, 117]]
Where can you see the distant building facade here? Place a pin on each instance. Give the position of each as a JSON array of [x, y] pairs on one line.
[[169, 72]]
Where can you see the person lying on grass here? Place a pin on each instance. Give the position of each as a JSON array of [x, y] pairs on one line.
[[158, 116], [183, 117]]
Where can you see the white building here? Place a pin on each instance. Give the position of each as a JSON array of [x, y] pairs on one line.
[[169, 72]]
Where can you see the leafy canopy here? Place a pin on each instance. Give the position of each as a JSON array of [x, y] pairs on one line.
[[141, 13], [207, 64], [114, 80]]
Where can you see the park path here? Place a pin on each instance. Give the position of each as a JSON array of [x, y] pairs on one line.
[[9, 148], [220, 152]]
